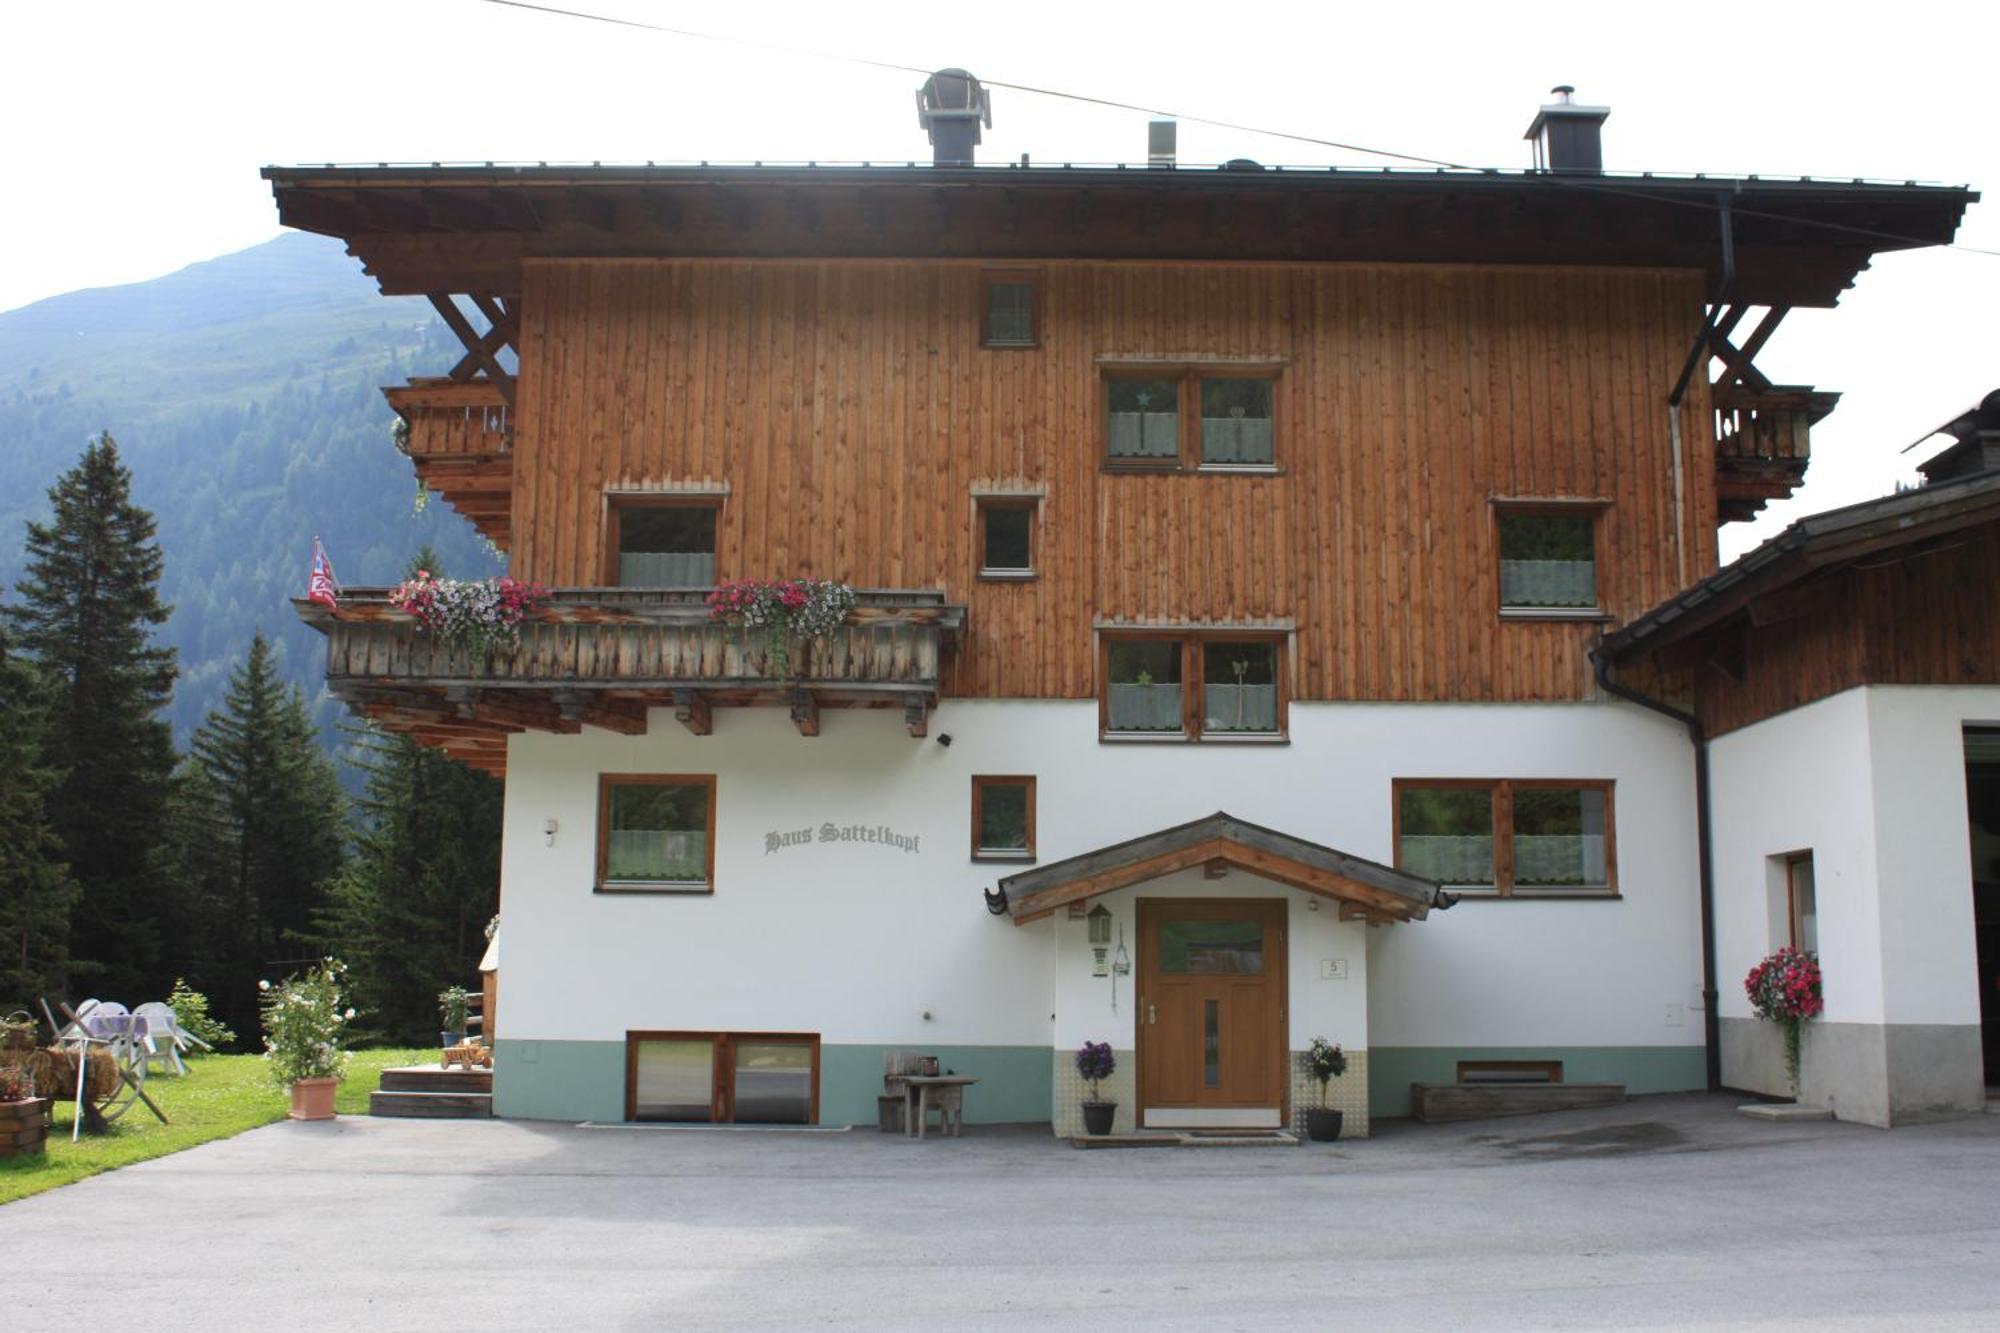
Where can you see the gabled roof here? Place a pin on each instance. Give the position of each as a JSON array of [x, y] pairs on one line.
[[1812, 546], [1375, 892]]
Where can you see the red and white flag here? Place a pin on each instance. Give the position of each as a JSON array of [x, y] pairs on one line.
[[322, 587]]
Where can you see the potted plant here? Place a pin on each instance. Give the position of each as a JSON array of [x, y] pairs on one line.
[[24, 1127], [304, 1024], [1785, 989], [451, 1015], [1095, 1063], [785, 610], [1325, 1061]]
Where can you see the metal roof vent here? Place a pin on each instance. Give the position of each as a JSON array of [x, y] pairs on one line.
[[952, 105], [1162, 142], [1568, 137]]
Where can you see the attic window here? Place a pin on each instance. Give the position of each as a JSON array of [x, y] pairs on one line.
[[1013, 303]]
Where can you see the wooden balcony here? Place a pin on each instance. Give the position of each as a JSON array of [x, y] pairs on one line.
[[601, 657], [1763, 444], [459, 437]]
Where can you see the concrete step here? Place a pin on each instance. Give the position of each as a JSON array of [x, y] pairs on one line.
[[1447, 1103], [431, 1078], [431, 1105], [1784, 1112], [1167, 1138]]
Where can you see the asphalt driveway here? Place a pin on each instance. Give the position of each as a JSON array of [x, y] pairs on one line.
[[1670, 1212]]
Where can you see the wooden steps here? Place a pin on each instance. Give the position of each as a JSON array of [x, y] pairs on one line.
[[1445, 1103], [427, 1092]]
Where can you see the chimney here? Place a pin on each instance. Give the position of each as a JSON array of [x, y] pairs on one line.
[[1568, 137], [952, 105], [1976, 447], [1162, 140]]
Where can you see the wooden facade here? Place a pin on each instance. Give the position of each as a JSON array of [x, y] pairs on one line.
[[850, 417]]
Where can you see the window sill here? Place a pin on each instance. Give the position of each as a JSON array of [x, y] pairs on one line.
[[1143, 737], [638, 889], [1241, 469], [1244, 738], [1584, 615], [1008, 575], [991, 345], [1537, 895], [1142, 465], [1008, 858]]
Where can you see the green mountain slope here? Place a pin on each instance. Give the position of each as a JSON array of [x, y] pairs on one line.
[[244, 396]]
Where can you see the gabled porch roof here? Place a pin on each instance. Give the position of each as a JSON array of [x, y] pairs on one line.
[[1367, 890]]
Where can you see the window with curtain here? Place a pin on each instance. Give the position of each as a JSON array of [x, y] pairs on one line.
[[1143, 424], [664, 545], [656, 834], [1144, 687], [1520, 837], [1239, 687], [1236, 421], [1197, 685], [1548, 560]]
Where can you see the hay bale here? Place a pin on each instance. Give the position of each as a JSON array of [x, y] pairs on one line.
[[54, 1072]]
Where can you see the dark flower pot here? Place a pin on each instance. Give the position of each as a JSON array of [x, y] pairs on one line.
[[1097, 1117], [450, 1038], [1322, 1126]]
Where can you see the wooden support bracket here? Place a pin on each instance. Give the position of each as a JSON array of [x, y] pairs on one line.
[[691, 711], [627, 719], [486, 357], [917, 715], [805, 712]]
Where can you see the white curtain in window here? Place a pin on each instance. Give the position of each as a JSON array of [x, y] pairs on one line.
[[665, 569], [1548, 583], [658, 855], [1240, 708], [1145, 708], [1558, 859], [1235, 440], [1449, 859], [1145, 434]]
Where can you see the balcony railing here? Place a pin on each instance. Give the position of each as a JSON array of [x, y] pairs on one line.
[[604, 656], [1763, 443], [459, 437]]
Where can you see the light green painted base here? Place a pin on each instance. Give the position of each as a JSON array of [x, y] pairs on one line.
[[585, 1080], [1642, 1069]]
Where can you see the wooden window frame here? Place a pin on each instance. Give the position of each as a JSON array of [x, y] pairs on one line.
[[1503, 790], [980, 782], [615, 503], [1032, 279], [722, 1090], [1792, 861], [605, 782], [981, 505], [1563, 506], [1188, 376], [1193, 681]]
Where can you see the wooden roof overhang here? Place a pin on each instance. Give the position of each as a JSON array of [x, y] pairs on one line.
[[1218, 843], [468, 229], [602, 657], [1763, 584]]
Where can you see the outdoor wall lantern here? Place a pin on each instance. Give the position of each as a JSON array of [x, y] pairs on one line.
[[549, 831], [1099, 922]]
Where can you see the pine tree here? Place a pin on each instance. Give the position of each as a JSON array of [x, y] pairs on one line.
[[89, 605], [262, 820], [36, 892]]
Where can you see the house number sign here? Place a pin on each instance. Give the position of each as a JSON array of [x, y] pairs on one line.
[[880, 835]]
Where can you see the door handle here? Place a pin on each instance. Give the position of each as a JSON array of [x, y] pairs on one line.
[[1152, 1015]]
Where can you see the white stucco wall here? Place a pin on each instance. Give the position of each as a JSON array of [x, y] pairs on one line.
[[860, 941], [1872, 782]]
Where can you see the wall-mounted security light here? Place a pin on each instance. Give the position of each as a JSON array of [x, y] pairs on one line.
[[549, 831]]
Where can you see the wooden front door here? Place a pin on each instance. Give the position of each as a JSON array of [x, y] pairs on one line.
[[1212, 1044]]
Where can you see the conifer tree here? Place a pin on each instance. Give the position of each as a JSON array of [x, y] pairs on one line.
[[89, 603], [36, 892], [263, 818]]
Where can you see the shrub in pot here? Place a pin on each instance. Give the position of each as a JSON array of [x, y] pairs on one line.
[[1325, 1061], [305, 1022], [1095, 1063], [452, 1009]]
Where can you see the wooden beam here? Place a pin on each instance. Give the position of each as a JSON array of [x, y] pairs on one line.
[[691, 711], [917, 715], [1228, 851], [474, 343], [627, 719], [805, 712]]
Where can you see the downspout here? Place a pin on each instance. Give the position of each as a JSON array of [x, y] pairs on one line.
[[1711, 1020], [1724, 289]]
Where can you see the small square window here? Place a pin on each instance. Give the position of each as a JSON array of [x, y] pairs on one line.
[[1143, 422], [1559, 837], [1010, 310], [1003, 819], [1006, 538], [663, 544], [1239, 687], [1236, 422], [656, 834], [1548, 560], [1144, 690]]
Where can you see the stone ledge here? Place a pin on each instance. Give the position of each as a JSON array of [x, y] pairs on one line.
[[1784, 1112]]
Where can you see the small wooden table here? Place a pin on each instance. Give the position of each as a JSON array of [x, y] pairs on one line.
[[951, 1100]]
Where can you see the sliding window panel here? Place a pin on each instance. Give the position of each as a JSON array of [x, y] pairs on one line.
[[674, 1079]]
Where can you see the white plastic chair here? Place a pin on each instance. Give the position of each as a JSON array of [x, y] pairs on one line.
[[163, 1039]]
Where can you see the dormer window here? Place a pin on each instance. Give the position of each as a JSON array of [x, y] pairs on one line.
[[659, 542], [1010, 317]]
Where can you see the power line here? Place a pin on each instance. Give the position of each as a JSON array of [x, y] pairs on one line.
[[1568, 182]]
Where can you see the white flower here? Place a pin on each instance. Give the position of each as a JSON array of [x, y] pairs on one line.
[[348, 1014], [263, 985]]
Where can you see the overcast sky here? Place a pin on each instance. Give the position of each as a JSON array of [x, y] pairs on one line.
[[134, 130]]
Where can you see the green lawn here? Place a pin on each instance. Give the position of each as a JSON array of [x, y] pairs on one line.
[[221, 1095]]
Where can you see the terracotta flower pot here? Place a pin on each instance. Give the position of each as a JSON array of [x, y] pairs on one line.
[[312, 1098], [1097, 1117]]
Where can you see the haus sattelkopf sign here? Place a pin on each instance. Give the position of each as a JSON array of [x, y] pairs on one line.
[[877, 835]]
